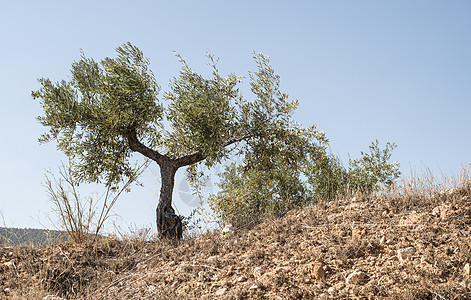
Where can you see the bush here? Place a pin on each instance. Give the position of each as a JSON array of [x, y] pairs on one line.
[[248, 195], [82, 217], [371, 172]]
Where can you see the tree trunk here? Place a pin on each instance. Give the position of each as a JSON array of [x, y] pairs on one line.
[[169, 224]]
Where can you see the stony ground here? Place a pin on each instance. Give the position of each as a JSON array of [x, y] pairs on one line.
[[406, 246]]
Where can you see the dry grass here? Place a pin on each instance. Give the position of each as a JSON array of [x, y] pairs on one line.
[[309, 253]]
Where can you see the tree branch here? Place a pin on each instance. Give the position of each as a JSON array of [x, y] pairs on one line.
[[198, 156], [137, 146], [246, 137], [190, 159]]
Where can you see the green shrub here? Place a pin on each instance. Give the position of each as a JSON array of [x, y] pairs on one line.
[[373, 171], [246, 197], [250, 193]]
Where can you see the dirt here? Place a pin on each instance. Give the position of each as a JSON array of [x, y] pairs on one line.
[[384, 247]]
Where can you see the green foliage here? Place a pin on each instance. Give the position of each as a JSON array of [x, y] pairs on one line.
[[327, 177], [269, 179], [371, 172], [203, 113], [286, 166], [248, 194], [110, 109], [90, 115]]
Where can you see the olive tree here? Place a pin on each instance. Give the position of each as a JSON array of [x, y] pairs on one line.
[[110, 109], [270, 177]]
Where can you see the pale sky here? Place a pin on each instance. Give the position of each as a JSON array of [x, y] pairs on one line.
[[396, 71]]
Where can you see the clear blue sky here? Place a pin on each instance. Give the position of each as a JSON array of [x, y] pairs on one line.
[[395, 71]]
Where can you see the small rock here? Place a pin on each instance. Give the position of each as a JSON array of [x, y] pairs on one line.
[[467, 270], [227, 229], [258, 271], [212, 258], [52, 297], [405, 253], [323, 296], [141, 267], [358, 277], [8, 264], [241, 278], [339, 286], [382, 240], [254, 287], [151, 288], [442, 211], [7, 290], [318, 271], [201, 275], [221, 292], [331, 290], [358, 234]]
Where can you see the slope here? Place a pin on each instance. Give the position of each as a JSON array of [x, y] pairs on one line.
[[405, 244]]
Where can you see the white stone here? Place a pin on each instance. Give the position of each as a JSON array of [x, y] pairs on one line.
[[258, 271], [405, 253], [227, 229], [357, 277], [212, 258], [467, 269], [151, 288], [221, 292], [382, 240], [8, 264], [52, 297]]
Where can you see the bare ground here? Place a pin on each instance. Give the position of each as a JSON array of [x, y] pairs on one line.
[[403, 246]]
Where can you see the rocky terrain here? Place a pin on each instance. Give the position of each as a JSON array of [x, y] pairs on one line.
[[404, 245]]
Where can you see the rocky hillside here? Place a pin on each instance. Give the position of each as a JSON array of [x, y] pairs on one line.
[[400, 246]]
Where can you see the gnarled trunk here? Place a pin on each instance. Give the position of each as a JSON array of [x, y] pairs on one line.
[[169, 224]]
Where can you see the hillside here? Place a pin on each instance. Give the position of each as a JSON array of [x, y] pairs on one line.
[[400, 246], [30, 236]]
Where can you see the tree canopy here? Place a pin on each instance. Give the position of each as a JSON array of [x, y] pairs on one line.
[[110, 109]]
